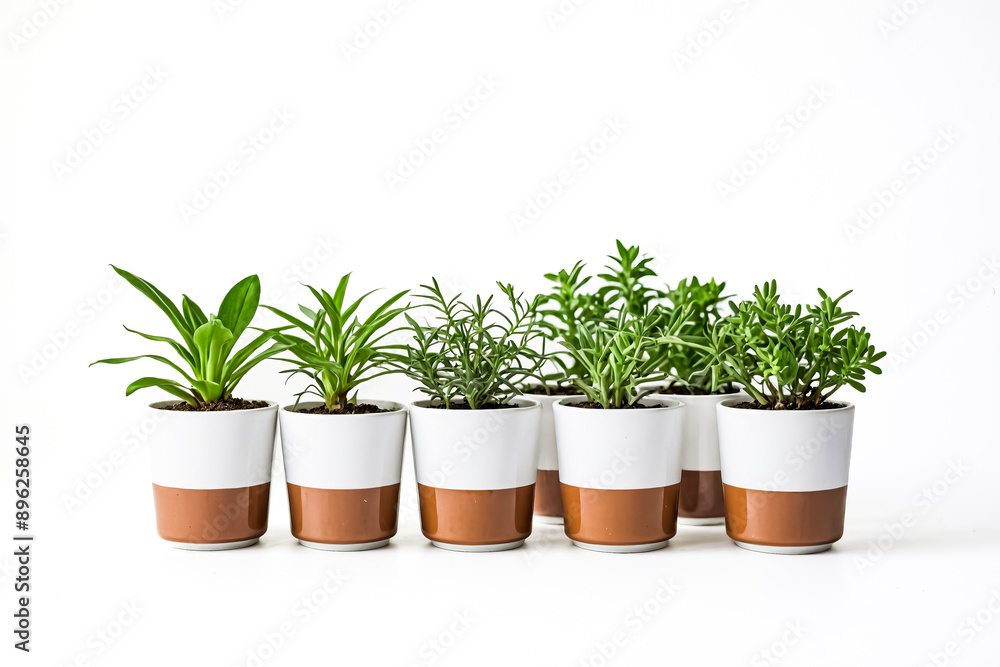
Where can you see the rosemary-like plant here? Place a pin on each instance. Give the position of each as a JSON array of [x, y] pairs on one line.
[[339, 351], [792, 358], [207, 343], [618, 357], [473, 353]]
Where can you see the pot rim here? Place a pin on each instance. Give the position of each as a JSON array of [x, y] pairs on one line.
[[395, 407], [677, 404], [522, 405], [847, 406], [158, 405]]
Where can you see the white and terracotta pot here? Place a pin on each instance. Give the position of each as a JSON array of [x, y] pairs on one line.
[[212, 476], [701, 501], [620, 473], [343, 475], [548, 494], [475, 473], [784, 473]]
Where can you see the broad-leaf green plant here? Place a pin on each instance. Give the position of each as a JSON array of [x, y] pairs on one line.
[[207, 345], [336, 350]]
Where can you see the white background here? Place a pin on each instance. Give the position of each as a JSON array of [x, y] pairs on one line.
[[321, 182]]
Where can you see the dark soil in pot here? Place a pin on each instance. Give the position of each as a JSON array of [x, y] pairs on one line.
[[685, 390], [752, 405], [349, 409], [594, 405], [224, 405], [465, 406]]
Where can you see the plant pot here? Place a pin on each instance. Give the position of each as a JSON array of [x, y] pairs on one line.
[[702, 499], [784, 473], [343, 475], [548, 494], [212, 476], [620, 473], [475, 473]]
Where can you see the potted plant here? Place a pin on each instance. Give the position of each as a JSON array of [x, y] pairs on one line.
[[786, 452], [561, 313], [343, 456], [696, 382], [211, 459], [475, 440], [619, 446], [566, 307]]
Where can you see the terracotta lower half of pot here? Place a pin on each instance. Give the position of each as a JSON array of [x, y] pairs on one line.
[[476, 518], [211, 516], [785, 518], [701, 495], [620, 517], [548, 494], [343, 516]]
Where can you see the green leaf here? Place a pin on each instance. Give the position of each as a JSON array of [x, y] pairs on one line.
[[290, 318], [338, 298], [168, 386], [155, 357], [239, 306], [161, 300], [192, 313], [209, 390], [311, 314], [212, 340], [180, 349], [244, 353], [238, 374]]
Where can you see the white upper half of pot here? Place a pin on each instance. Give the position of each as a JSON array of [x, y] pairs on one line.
[[785, 450], [212, 450], [353, 451], [621, 449], [475, 450], [548, 459], [700, 450]]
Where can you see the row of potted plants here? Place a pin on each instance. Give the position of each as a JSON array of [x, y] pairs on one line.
[[613, 409]]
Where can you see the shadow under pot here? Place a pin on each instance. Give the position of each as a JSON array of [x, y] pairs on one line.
[[702, 501], [620, 472], [548, 494], [784, 473], [212, 476], [343, 475], [475, 473]]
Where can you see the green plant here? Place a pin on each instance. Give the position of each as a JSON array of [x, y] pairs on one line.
[[789, 358], [623, 286], [618, 357], [562, 312], [476, 352], [208, 342], [339, 352], [691, 365]]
